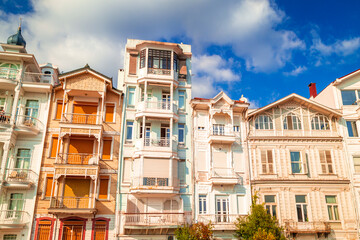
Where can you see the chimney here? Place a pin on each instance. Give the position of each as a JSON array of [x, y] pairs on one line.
[[312, 89]]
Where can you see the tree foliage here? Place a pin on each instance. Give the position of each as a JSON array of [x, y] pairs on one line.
[[259, 224], [197, 231]]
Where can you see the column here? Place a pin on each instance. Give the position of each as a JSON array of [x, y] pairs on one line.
[[15, 104], [143, 130], [171, 133], [171, 172], [171, 96]]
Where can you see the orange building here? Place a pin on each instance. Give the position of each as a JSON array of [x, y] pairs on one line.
[[77, 185]]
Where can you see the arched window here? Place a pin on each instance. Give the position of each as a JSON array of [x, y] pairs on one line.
[[263, 122], [8, 70], [47, 72], [320, 122], [292, 122]]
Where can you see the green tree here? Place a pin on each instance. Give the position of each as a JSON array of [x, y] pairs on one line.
[[259, 224], [197, 231]]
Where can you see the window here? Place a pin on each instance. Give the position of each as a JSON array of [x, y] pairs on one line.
[[129, 131], [270, 204], [297, 165], [131, 97], [332, 207], [182, 100], [222, 209], [352, 129], [142, 58], [149, 95], [48, 185], [319, 122], [301, 208], [292, 122], [104, 188], [218, 129], [356, 164], [2, 104], [54, 145], [10, 237], [349, 97], [182, 171], [22, 159], [100, 230], [181, 133], [107, 145], [326, 162], [236, 128], [59, 105], [15, 206], [175, 67], [263, 122], [44, 230], [159, 59], [201, 128], [31, 111], [267, 162], [202, 204], [109, 112]]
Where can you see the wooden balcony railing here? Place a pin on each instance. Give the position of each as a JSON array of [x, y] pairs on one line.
[[156, 219], [78, 158], [14, 217], [19, 175], [73, 202], [80, 118]]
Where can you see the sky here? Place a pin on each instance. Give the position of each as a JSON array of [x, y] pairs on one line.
[[261, 49]]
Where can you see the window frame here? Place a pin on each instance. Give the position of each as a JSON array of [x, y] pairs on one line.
[[272, 206], [357, 96], [305, 217], [160, 55], [203, 201], [111, 147], [296, 123], [114, 112], [302, 162], [51, 145], [182, 94], [354, 128], [38, 220], [268, 172], [261, 124], [356, 156], [323, 155], [321, 121], [131, 90], [108, 190], [127, 139], [43, 195], [57, 100], [183, 129], [335, 213]]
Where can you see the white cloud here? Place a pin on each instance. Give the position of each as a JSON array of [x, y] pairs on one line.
[[339, 47], [296, 71], [209, 72], [71, 33]]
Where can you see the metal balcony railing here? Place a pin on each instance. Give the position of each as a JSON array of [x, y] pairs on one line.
[[19, 175], [28, 121], [157, 105], [30, 77], [157, 142], [306, 227], [156, 219], [223, 173], [14, 217], [78, 158], [219, 218], [72, 202], [221, 130], [5, 119], [80, 118], [159, 71], [9, 74], [155, 182]]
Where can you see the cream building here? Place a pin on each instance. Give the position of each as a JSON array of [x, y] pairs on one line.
[[222, 186], [299, 168], [25, 90], [155, 179], [343, 94]]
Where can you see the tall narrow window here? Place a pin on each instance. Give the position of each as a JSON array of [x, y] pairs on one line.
[[48, 185], [182, 171], [292, 122], [332, 208], [54, 145], [129, 131], [59, 105], [356, 164], [2, 104], [319, 122], [104, 188], [31, 112], [15, 206], [301, 208], [44, 230], [142, 58], [263, 122], [222, 208], [352, 129], [23, 159], [270, 204], [297, 165], [100, 230], [131, 97], [107, 146], [326, 162], [182, 100], [181, 133], [109, 112], [202, 204], [267, 162]]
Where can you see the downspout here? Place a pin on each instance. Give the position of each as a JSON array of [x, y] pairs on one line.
[[249, 155], [193, 165], [118, 184]]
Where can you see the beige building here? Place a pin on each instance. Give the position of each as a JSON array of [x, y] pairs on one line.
[[299, 169], [222, 186], [78, 179]]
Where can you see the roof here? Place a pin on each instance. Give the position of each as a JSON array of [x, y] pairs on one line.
[[301, 100], [86, 68], [220, 95], [341, 79]]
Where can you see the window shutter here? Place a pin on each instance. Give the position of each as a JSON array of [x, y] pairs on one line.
[[107, 148], [54, 146], [132, 64], [182, 66], [263, 161], [181, 172], [322, 161], [329, 161], [48, 182], [104, 186], [59, 105], [270, 161], [109, 116]]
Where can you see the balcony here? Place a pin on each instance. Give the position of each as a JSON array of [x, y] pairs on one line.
[[158, 75], [5, 120], [9, 78], [77, 164], [28, 125], [156, 219], [72, 205], [13, 219], [38, 82], [78, 118], [17, 178], [307, 227], [157, 146], [220, 221], [221, 134], [77, 123], [156, 186], [223, 176], [157, 109]]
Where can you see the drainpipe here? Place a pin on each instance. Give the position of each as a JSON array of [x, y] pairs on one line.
[[118, 184], [248, 152], [193, 166]]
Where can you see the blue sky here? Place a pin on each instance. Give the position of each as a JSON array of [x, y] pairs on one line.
[[262, 49]]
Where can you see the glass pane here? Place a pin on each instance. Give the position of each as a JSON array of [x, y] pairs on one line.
[[330, 199], [299, 213], [348, 97], [330, 213], [274, 211], [300, 199], [336, 212], [269, 198], [305, 213]]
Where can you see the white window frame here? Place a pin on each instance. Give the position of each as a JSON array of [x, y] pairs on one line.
[[203, 200], [303, 164], [128, 140], [260, 123], [321, 121], [16, 151], [271, 204], [184, 107], [326, 163], [267, 161], [295, 121], [109, 187], [128, 97], [356, 126], [302, 208], [181, 143], [332, 205], [357, 92]]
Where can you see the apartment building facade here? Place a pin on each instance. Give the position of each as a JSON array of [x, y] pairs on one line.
[[77, 185], [222, 185], [343, 94], [299, 170], [25, 90], [155, 181]]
